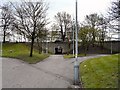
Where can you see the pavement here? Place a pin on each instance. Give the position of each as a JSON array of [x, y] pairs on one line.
[[53, 72]]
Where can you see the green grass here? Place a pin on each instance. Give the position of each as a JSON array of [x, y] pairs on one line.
[[21, 51], [71, 56], [100, 72]]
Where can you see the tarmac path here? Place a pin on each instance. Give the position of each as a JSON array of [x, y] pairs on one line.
[[53, 72]]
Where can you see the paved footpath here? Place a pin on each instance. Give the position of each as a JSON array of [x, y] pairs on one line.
[[53, 72]]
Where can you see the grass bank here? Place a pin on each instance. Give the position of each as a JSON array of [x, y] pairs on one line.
[[100, 72], [21, 51], [71, 56]]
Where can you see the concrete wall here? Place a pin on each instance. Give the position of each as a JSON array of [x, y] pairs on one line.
[[114, 44], [51, 46]]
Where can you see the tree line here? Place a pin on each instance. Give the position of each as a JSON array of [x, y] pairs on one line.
[[94, 28], [26, 18], [29, 19]]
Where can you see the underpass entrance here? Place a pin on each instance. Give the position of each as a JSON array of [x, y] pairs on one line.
[[58, 50]]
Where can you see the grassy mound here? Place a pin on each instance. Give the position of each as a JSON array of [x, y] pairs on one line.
[[100, 72], [21, 51]]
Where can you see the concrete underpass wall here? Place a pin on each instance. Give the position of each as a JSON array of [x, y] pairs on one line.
[[114, 44], [65, 48], [51, 46]]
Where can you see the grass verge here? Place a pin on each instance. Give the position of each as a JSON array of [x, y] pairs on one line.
[[21, 51], [100, 72], [71, 56]]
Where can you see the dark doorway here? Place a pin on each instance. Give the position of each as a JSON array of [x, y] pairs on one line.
[[58, 50]]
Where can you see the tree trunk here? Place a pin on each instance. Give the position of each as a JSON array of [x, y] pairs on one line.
[[4, 36], [93, 40], [93, 35], [32, 43], [85, 48], [33, 38], [62, 35]]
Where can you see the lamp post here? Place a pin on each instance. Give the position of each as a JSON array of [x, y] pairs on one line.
[[73, 38], [1, 48], [76, 65], [46, 45], [0, 64]]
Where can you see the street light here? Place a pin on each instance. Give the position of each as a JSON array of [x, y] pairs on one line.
[[76, 65], [73, 37], [1, 43], [0, 49], [46, 45]]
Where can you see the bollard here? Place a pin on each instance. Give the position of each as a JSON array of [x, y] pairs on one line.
[[76, 73]]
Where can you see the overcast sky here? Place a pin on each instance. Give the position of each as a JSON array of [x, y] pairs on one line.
[[85, 7]]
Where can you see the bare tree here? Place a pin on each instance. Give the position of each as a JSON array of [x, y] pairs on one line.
[[29, 17], [92, 21], [64, 22], [98, 25], [6, 20], [41, 36], [54, 32], [115, 10], [85, 35], [114, 14], [102, 26]]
